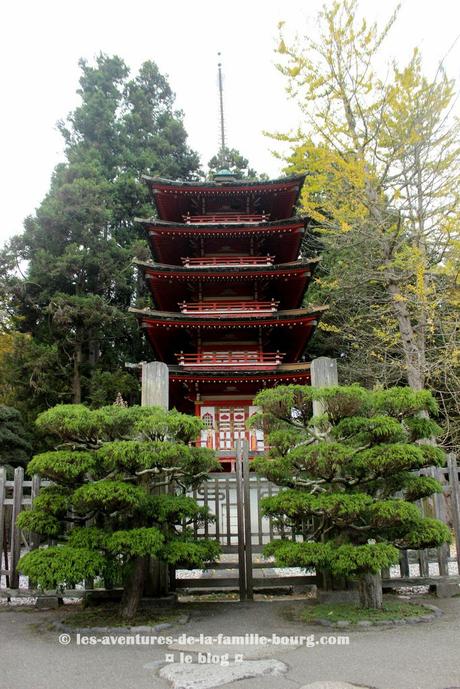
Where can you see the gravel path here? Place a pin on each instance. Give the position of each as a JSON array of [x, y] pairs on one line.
[[409, 657]]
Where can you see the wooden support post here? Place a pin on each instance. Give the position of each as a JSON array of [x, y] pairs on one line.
[[455, 499], [155, 385], [440, 512], [323, 371], [404, 563], [155, 393], [3, 538], [247, 521], [240, 520], [15, 531], [34, 537], [423, 562]]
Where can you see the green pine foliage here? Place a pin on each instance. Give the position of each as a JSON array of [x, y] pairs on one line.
[[72, 332], [350, 476], [15, 445], [109, 468], [50, 567]]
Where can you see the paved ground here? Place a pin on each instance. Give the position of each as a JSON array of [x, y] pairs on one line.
[[424, 656]]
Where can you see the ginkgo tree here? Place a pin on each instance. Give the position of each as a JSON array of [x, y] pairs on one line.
[[350, 479], [107, 506], [380, 147]]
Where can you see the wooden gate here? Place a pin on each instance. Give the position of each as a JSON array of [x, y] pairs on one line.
[[240, 529]]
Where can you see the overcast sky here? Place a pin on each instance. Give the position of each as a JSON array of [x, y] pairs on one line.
[[43, 40]]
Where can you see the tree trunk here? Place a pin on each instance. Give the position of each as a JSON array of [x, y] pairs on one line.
[[93, 350], [370, 591], [76, 381], [332, 582], [413, 346], [134, 586]]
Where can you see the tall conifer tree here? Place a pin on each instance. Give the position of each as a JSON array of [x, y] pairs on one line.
[[70, 306]]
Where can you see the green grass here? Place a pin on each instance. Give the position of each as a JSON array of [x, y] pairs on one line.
[[109, 616], [392, 610]]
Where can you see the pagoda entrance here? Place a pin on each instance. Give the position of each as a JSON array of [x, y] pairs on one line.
[[226, 424]]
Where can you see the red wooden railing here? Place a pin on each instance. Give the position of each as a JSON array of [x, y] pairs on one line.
[[214, 308], [224, 360], [226, 218], [201, 261]]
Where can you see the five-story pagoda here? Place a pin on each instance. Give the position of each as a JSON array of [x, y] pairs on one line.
[[227, 281]]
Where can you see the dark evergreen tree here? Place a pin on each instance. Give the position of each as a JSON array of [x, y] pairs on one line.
[[15, 447], [77, 249]]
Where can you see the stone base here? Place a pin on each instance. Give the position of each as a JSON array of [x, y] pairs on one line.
[[48, 602], [445, 589]]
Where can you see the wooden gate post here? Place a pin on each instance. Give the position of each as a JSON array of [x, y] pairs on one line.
[[15, 531], [455, 498], [247, 521], [240, 519], [155, 393], [3, 533]]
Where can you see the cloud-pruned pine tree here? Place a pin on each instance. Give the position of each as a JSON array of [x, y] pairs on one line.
[[350, 478], [107, 506]]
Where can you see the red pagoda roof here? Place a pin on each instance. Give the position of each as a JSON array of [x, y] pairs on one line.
[[169, 284], [186, 384], [176, 200], [169, 240], [284, 373], [172, 332]]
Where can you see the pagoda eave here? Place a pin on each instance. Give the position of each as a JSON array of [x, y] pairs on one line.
[[171, 334], [187, 186], [273, 198], [173, 319], [155, 225], [166, 283], [169, 241], [236, 271], [283, 373]]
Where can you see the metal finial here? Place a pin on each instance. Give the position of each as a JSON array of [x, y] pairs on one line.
[[221, 101]]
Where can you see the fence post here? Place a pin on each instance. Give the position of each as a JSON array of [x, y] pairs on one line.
[[34, 537], [404, 563], [15, 531], [240, 520], [440, 512], [3, 543], [247, 521], [455, 498]]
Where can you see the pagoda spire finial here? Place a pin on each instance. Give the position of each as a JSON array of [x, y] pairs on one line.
[[221, 103]]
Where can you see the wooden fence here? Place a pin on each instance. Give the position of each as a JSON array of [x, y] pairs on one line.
[[219, 493]]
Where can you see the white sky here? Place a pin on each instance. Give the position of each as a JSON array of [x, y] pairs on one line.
[[42, 41]]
